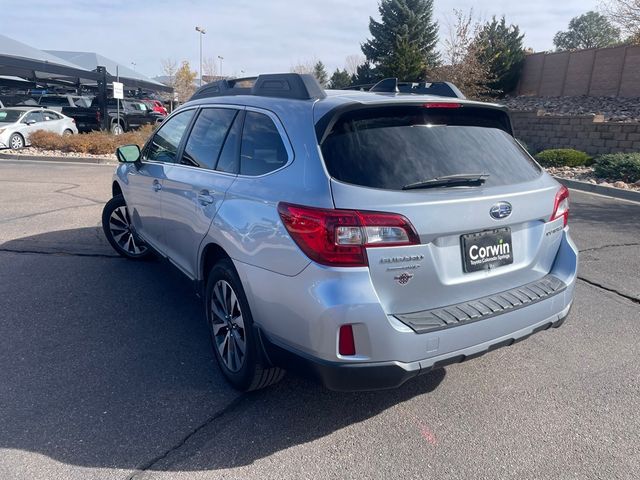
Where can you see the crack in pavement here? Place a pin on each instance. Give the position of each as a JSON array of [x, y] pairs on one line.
[[62, 191], [610, 246], [612, 290], [60, 253], [148, 465], [32, 215]]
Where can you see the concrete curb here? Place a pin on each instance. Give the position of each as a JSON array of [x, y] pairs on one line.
[[632, 195], [42, 158]]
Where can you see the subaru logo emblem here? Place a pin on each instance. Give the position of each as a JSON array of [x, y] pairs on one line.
[[500, 210]]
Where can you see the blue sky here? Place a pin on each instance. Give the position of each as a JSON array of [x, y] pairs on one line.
[[252, 35]]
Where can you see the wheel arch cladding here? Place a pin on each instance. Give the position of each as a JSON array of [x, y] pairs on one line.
[[211, 254], [115, 189]]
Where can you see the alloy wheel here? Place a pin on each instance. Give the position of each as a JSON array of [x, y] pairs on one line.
[[120, 227], [227, 326]]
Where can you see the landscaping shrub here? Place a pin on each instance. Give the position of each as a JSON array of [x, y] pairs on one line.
[[96, 143], [618, 167], [563, 157]]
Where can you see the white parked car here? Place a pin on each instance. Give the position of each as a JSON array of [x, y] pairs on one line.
[[18, 123]]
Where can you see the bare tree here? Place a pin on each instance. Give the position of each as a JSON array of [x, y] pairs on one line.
[[625, 14], [461, 31], [307, 66], [169, 68], [352, 62], [209, 69], [462, 66]]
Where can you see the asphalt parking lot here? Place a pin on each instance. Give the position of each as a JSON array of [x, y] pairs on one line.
[[106, 372]]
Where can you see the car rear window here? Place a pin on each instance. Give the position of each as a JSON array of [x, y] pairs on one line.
[[54, 101], [10, 116], [391, 147]]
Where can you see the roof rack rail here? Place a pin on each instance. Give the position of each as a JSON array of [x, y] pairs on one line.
[[392, 85], [282, 85]]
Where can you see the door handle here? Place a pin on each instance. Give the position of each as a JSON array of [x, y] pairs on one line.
[[157, 186], [205, 198]]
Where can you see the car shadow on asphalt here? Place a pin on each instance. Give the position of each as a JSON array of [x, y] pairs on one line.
[[107, 363]]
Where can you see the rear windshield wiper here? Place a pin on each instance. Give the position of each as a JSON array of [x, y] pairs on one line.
[[457, 180]]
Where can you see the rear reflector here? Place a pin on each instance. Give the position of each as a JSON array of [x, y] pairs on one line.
[[561, 206], [340, 237], [346, 343]]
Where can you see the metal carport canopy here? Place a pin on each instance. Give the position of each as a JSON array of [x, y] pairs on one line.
[[20, 60], [91, 60]]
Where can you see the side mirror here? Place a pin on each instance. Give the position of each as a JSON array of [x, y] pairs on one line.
[[128, 153], [30, 122]]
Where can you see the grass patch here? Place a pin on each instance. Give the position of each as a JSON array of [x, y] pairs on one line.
[[95, 143]]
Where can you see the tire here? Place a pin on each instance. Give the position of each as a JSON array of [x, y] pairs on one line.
[[116, 225], [67, 132], [117, 129], [235, 341], [16, 141]]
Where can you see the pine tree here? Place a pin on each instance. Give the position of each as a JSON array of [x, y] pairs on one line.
[[499, 47], [320, 72], [339, 79], [406, 31], [590, 30], [366, 74]]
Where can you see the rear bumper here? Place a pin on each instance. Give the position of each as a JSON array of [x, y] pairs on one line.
[[347, 377], [300, 317]]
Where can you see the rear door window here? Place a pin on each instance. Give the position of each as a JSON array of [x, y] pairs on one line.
[[229, 161], [50, 116], [34, 117], [207, 137], [262, 150], [391, 147]]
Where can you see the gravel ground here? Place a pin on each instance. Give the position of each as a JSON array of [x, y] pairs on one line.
[[586, 174], [32, 151], [614, 109]]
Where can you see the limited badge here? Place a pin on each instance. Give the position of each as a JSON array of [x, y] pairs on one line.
[[403, 278]]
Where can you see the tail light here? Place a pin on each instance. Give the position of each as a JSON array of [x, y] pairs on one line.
[[442, 105], [561, 205], [98, 116], [346, 342], [340, 238]]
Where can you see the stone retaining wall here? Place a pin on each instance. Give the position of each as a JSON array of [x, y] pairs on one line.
[[588, 133], [611, 71]]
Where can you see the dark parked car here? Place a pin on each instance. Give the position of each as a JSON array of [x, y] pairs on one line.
[[133, 114], [58, 102]]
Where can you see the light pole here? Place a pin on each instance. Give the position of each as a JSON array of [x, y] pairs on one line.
[[220, 58], [133, 64], [202, 32]]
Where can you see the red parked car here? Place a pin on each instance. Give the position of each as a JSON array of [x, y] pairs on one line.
[[156, 106]]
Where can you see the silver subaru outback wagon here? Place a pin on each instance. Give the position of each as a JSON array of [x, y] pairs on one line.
[[363, 237]]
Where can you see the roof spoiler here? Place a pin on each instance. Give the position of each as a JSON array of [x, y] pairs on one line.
[[282, 85], [392, 85]]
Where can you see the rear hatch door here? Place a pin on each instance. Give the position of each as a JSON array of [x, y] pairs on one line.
[[477, 237]]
